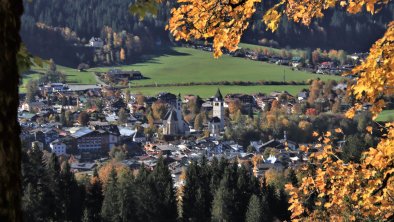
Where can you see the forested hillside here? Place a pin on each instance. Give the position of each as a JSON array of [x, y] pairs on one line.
[[89, 18]]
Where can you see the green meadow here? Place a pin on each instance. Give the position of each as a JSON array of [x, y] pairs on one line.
[[206, 91], [186, 65], [385, 116]]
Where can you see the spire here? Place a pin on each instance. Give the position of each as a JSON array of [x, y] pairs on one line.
[[179, 97], [218, 95]]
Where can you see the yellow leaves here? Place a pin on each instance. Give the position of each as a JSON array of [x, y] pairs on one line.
[[272, 19], [354, 7], [350, 113], [338, 130], [343, 3], [315, 134]]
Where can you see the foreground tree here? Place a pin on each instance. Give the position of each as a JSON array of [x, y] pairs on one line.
[[10, 146]]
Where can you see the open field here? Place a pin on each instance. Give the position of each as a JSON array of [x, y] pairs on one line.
[[191, 65], [185, 65], [206, 91], [386, 115], [73, 76]]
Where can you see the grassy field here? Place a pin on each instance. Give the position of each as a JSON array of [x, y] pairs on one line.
[[208, 91], [185, 65], [73, 76], [386, 115], [190, 65]]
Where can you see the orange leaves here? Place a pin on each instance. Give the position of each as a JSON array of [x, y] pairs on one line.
[[224, 22], [363, 190], [376, 78]]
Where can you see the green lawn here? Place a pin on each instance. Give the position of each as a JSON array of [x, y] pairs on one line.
[[26, 78], [76, 77], [185, 65], [386, 115], [191, 65], [207, 91]]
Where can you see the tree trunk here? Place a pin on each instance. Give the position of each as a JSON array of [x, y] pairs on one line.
[[10, 146]]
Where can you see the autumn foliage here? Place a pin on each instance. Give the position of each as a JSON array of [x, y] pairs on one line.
[[331, 190]]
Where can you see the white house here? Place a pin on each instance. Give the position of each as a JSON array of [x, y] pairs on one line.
[[96, 42], [58, 147]]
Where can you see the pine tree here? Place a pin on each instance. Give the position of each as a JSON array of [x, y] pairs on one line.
[[189, 211], [164, 193], [254, 214], [94, 198], [110, 207], [292, 177], [71, 194], [126, 197], [56, 201], [282, 206], [221, 206]]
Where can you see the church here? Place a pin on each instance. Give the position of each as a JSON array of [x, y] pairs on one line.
[[173, 123], [216, 123]]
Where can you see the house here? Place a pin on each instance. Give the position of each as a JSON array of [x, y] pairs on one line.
[[303, 96], [139, 137], [45, 135], [36, 106], [96, 42], [26, 116], [87, 140], [83, 166], [57, 147], [167, 98]]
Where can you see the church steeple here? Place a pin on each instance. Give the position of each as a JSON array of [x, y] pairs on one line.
[[179, 102], [218, 96], [218, 108]]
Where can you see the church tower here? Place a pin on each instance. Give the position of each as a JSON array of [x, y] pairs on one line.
[[178, 110], [218, 108]]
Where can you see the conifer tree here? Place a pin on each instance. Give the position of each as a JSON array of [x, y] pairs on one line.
[[164, 193], [70, 194], [189, 212], [94, 198], [254, 214], [126, 197], [110, 207], [55, 200]]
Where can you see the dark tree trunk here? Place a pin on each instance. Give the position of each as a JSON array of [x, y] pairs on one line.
[[10, 148]]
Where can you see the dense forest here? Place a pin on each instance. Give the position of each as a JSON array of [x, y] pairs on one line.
[[90, 18], [211, 191]]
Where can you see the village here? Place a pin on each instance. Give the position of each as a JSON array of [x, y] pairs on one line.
[[88, 125]]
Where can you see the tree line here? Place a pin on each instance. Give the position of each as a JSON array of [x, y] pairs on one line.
[[209, 191]]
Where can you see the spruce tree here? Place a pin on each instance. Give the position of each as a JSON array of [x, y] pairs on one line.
[[126, 197], [163, 192], [254, 214], [94, 198], [223, 206], [55, 200], [189, 211], [71, 194], [292, 178], [110, 207]]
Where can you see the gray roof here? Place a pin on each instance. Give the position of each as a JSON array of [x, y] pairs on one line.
[[79, 132], [218, 96], [171, 115]]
